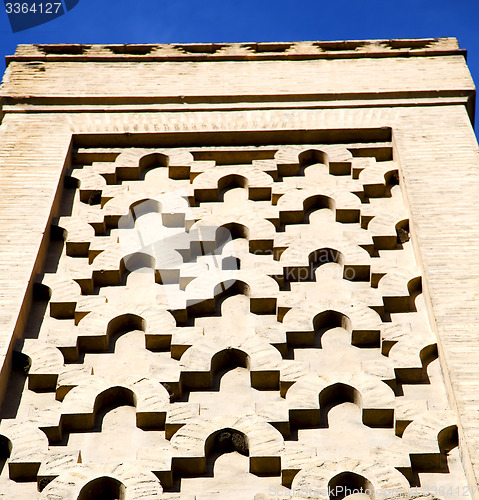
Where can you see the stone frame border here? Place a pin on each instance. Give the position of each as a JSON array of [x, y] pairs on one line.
[[438, 160]]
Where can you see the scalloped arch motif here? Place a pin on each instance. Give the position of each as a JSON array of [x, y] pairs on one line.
[[232, 319]]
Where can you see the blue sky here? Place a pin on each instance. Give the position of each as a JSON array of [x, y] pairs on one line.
[[182, 21]]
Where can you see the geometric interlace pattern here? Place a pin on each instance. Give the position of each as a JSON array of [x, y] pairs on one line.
[[230, 322]]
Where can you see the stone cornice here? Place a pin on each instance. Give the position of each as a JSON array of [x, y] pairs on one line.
[[239, 51]]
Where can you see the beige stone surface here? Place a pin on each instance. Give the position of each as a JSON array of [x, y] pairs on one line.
[[192, 79], [312, 365]]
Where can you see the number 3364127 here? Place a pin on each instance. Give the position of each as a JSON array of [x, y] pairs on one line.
[[33, 8]]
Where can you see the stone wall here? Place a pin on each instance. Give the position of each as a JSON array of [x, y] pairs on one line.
[[210, 290]]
